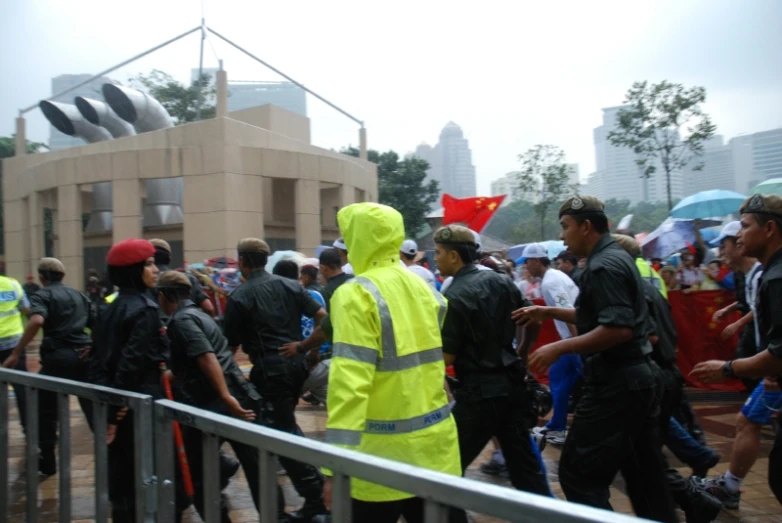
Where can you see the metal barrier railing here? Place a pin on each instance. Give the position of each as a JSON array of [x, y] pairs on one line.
[[438, 490], [101, 397]]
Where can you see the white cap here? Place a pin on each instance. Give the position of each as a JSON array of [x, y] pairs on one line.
[[730, 230], [409, 247], [477, 240], [339, 243], [533, 250]]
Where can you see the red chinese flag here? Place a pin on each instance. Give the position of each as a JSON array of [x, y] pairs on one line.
[[475, 213]]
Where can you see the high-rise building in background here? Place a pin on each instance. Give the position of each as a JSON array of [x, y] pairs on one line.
[[717, 171], [619, 177], [450, 162], [246, 94], [58, 140], [509, 184], [757, 157]]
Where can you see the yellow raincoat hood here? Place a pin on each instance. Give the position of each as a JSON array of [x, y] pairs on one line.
[[373, 234]]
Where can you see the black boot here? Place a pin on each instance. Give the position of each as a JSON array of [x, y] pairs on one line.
[[228, 469], [47, 464], [309, 512]]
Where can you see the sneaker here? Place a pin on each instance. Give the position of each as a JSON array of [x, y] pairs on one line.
[[699, 506], [718, 488], [540, 430], [540, 440], [311, 399], [556, 437], [703, 470], [494, 468]]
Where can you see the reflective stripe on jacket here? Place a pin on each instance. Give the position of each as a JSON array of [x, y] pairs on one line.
[[11, 326], [385, 394], [651, 275], [111, 297]]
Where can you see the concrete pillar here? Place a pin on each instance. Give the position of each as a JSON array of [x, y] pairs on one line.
[[21, 136], [221, 85], [347, 195], [35, 224], [126, 205], [70, 246], [307, 216], [362, 140]]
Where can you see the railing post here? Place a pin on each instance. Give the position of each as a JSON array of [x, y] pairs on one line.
[[268, 485], [99, 423], [211, 476], [164, 463], [32, 452], [341, 504], [434, 512], [142, 441], [4, 422], [64, 467]]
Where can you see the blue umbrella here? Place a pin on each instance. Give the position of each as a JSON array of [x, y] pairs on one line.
[[706, 204], [671, 236]]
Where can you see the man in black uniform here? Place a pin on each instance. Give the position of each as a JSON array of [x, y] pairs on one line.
[[197, 294], [331, 269], [211, 380], [64, 313], [478, 334], [616, 420], [309, 278], [130, 343], [760, 237], [262, 315]]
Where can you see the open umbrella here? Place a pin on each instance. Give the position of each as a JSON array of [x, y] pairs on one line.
[[222, 262], [706, 204], [772, 186], [671, 236]]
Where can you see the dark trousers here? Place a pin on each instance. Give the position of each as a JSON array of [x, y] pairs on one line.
[[507, 419], [616, 429], [281, 386], [389, 511], [19, 392], [775, 466], [60, 363]]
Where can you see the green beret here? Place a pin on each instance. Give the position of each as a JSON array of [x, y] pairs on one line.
[[252, 245], [582, 205], [51, 265], [173, 279], [760, 204], [454, 235]]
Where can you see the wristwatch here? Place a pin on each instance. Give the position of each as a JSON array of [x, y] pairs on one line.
[[727, 370]]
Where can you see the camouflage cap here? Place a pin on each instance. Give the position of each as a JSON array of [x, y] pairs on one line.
[[763, 204], [582, 205], [454, 235], [160, 244], [51, 265], [174, 279], [253, 245], [628, 244]]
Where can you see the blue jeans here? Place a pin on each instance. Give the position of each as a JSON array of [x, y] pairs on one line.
[[685, 447], [562, 377]]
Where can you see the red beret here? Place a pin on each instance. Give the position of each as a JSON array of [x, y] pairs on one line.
[[130, 252]]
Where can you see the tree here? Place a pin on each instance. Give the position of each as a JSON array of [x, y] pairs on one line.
[[543, 178], [651, 126], [179, 100], [402, 184]]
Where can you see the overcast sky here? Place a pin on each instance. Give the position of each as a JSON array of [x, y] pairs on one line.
[[512, 74]]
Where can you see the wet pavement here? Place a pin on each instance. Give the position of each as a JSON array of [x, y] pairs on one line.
[[716, 416]]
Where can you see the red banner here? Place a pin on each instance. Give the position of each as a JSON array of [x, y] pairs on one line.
[[699, 337]]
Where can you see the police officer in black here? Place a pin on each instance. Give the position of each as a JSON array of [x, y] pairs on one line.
[[478, 334], [263, 315], [130, 344], [760, 237], [211, 380], [197, 294], [64, 313], [616, 420]]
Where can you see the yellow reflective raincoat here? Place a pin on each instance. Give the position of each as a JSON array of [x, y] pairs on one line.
[[385, 394], [648, 273]]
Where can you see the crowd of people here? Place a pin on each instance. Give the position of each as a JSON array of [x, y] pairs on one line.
[[426, 367]]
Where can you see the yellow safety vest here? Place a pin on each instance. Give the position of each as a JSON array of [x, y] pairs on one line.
[[648, 273], [111, 297], [11, 326], [385, 393]]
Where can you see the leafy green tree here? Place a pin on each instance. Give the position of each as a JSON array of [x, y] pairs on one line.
[[180, 100], [543, 178], [402, 184], [651, 126]]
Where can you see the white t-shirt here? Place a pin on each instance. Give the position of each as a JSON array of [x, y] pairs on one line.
[[559, 291], [751, 293], [424, 273], [347, 268]]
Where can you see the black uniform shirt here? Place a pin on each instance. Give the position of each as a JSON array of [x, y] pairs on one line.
[[661, 324], [66, 313], [740, 282], [478, 329], [317, 287], [264, 313], [194, 333], [332, 285], [611, 294], [769, 306], [130, 343], [197, 294]]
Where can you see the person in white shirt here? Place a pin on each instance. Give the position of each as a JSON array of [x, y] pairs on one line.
[[558, 290], [339, 244], [408, 253]]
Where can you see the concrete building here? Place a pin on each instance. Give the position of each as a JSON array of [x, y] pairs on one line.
[[450, 162], [717, 172], [58, 140], [246, 94], [757, 157], [620, 176], [509, 186], [244, 173]]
